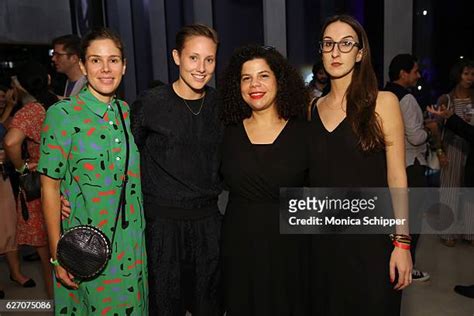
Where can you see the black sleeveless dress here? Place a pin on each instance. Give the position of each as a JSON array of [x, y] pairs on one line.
[[350, 273], [265, 273]]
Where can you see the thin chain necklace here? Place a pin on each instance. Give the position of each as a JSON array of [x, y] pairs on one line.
[[186, 103], [200, 108]]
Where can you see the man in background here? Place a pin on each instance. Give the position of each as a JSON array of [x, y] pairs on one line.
[[319, 82], [66, 57], [404, 74]]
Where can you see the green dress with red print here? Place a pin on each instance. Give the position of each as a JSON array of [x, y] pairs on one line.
[[83, 144]]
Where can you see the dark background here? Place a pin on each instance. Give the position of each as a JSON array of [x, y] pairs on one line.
[[439, 38]]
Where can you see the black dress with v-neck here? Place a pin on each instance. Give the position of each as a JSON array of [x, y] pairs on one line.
[[350, 272], [265, 273]]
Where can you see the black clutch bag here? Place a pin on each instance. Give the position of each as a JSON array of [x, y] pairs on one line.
[[30, 189], [85, 250], [87, 245], [30, 185]]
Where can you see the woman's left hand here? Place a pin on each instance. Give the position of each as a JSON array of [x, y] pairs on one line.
[[401, 262]]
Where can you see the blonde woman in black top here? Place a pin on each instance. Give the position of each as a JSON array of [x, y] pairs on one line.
[[177, 130]]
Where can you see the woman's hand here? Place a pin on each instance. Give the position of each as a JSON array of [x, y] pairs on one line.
[[441, 112], [401, 262], [11, 98], [443, 159], [65, 208], [66, 278]]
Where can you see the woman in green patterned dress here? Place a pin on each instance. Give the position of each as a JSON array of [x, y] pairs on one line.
[[83, 151]]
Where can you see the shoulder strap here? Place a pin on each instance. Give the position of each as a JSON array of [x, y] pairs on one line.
[[123, 193], [449, 101]]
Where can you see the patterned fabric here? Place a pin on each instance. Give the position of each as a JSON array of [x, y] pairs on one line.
[[451, 179], [29, 120], [83, 144]]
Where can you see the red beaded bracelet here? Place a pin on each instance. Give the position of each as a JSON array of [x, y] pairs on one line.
[[400, 245]]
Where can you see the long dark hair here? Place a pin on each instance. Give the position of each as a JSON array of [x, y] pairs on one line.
[[33, 77], [457, 69], [361, 95], [455, 75], [291, 97]]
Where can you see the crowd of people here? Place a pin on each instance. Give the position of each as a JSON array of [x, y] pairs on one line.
[[167, 157]]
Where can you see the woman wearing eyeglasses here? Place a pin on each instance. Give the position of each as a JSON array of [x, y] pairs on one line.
[[358, 140], [265, 273]]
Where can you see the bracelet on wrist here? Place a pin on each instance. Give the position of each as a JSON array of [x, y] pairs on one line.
[[23, 168], [55, 263], [402, 245], [400, 237]]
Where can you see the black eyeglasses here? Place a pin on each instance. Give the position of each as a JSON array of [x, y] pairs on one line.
[[58, 54], [344, 46]]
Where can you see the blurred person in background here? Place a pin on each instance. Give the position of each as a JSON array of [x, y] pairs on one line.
[[404, 73], [7, 103], [31, 88], [8, 216], [454, 149], [65, 57], [463, 129], [317, 86]]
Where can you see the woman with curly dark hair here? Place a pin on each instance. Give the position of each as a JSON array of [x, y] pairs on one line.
[[264, 272]]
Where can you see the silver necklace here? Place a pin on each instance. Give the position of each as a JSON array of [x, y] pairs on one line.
[[189, 108]]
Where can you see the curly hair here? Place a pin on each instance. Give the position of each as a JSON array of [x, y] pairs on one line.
[[291, 97]]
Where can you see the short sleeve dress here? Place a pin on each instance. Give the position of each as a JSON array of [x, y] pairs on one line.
[[33, 230], [83, 144]]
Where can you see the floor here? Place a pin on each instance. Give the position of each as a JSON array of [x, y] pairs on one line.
[[447, 266]]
